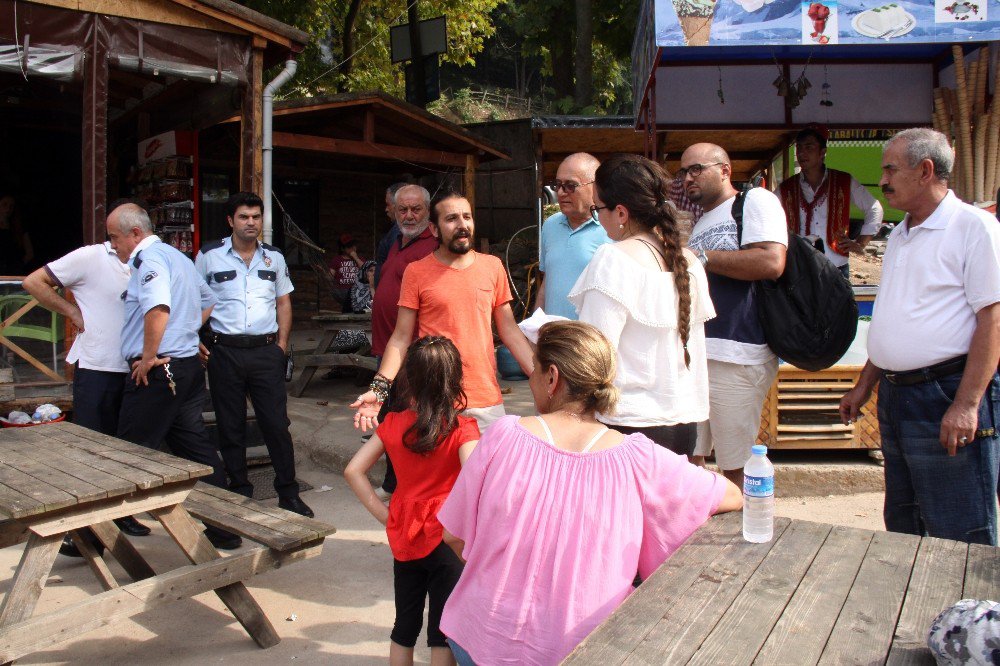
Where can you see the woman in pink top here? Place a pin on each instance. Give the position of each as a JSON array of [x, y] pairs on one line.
[[555, 513]]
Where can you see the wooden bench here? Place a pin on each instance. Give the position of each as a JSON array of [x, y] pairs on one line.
[[272, 527]]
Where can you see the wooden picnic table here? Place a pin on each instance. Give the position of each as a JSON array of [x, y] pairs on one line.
[[60, 478], [816, 594], [322, 358]]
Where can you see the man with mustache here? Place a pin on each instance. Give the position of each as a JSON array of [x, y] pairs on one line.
[[248, 337], [933, 348], [458, 293]]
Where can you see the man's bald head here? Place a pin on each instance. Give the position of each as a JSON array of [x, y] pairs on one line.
[[583, 165], [705, 153]]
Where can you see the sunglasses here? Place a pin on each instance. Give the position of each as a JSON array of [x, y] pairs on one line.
[[568, 186], [695, 170]]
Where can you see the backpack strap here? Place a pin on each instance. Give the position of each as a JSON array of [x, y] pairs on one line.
[[737, 213]]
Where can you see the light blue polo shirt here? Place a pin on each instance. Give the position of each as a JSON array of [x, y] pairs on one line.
[[162, 275], [246, 294], [564, 253]]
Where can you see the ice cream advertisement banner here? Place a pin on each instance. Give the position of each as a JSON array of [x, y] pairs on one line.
[[788, 22]]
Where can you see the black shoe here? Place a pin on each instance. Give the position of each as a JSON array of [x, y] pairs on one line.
[[295, 505], [69, 549], [224, 540], [132, 527]]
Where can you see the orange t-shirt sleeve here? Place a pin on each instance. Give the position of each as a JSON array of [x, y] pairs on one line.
[[502, 292], [409, 292]]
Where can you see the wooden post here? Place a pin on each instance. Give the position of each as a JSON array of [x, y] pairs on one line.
[[252, 125], [95, 139], [469, 180]]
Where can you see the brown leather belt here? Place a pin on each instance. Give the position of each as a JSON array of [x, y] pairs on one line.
[[930, 373]]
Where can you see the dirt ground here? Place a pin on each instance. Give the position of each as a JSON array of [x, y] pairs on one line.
[[866, 269]]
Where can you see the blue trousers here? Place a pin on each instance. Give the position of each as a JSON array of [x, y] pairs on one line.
[[97, 399], [928, 492]]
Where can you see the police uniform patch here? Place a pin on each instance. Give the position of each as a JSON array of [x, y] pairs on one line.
[[286, 271], [267, 261], [149, 277]]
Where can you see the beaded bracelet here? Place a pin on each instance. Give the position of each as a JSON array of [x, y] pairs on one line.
[[380, 387]]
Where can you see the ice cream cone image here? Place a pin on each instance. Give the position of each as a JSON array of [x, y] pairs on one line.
[[695, 17]]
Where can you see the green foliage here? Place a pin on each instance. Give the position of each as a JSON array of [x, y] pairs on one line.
[[469, 24]]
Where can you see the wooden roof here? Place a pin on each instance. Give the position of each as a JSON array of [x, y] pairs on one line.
[[749, 150], [219, 15], [377, 126]]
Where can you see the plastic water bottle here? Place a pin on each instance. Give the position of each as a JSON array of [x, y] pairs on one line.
[[758, 496]]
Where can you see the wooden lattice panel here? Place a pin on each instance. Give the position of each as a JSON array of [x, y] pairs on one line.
[[802, 411]]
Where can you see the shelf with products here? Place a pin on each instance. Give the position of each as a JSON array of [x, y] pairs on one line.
[[166, 178]]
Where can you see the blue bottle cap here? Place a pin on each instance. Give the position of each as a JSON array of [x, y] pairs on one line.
[[758, 450]]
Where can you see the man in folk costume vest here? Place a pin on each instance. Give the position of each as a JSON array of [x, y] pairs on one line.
[[817, 201]]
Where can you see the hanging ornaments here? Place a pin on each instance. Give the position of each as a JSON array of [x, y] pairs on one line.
[[825, 101]]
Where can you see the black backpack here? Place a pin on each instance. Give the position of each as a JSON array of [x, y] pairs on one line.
[[809, 314]]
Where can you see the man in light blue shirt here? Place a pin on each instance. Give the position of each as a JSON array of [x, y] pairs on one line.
[[571, 236], [250, 326], [166, 303]]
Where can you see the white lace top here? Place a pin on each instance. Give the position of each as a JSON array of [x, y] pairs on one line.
[[636, 308]]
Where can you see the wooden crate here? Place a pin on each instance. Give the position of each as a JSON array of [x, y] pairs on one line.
[[801, 411]]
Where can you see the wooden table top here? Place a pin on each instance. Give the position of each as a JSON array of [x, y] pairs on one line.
[[58, 465], [816, 593]]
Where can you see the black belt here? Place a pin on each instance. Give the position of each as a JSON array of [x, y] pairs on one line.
[[243, 341], [930, 373], [173, 359]]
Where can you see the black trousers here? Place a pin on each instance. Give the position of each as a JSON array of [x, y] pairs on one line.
[[97, 399], [153, 416], [433, 578], [679, 438], [234, 373]]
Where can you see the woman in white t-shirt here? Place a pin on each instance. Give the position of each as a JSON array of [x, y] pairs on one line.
[[649, 296]]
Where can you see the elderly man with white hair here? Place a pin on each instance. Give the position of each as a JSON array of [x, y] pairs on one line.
[[933, 348]]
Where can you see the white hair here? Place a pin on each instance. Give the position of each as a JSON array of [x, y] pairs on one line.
[[923, 143]]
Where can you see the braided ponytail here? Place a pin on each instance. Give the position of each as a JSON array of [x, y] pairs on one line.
[[642, 186]]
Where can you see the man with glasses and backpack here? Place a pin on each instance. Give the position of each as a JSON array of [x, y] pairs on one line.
[[741, 366]]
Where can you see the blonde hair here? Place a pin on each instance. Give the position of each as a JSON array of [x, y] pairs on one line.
[[586, 362]]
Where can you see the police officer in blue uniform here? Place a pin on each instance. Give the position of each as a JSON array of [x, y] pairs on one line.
[[247, 341], [166, 303]]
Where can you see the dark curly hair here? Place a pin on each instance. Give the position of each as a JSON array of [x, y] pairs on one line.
[[430, 383]]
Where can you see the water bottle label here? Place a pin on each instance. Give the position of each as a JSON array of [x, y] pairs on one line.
[[758, 486]]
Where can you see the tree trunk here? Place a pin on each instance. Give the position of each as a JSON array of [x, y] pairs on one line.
[[348, 42], [584, 61], [562, 68]]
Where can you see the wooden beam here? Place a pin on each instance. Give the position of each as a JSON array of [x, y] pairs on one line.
[[469, 179], [252, 127], [158, 11], [369, 136], [325, 144], [244, 23], [95, 138]]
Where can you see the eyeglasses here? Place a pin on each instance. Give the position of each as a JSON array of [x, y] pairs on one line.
[[594, 209], [695, 170], [568, 186]]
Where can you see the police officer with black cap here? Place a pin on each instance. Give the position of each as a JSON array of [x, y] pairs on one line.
[[247, 340], [166, 303]]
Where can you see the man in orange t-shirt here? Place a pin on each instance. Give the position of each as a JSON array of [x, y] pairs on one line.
[[458, 293]]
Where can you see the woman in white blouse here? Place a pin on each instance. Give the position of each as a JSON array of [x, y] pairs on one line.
[[649, 296]]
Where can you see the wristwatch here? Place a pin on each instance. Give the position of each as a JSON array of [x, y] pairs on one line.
[[702, 257]]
